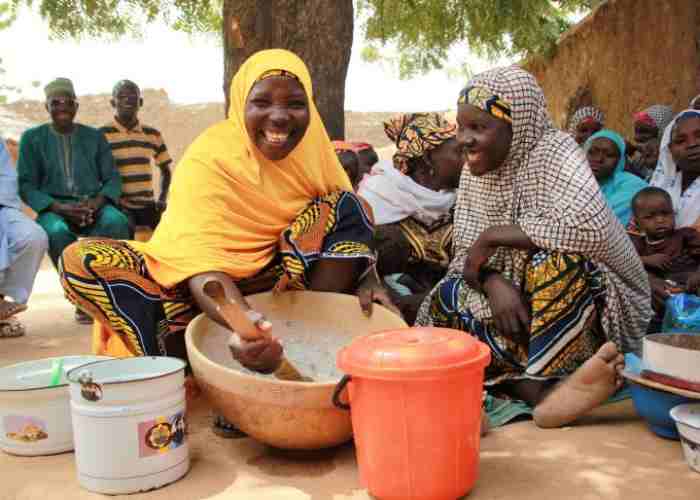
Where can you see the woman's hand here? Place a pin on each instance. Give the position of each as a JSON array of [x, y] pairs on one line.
[[510, 312], [263, 354], [371, 291], [479, 254]]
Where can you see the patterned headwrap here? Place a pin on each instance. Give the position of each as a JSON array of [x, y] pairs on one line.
[[658, 116], [546, 188], [277, 73], [585, 114], [485, 99], [361, 146], [415, 134]]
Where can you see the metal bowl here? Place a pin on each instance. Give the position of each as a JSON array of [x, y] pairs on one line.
[[673, 354], [35, 417], [283, 414]]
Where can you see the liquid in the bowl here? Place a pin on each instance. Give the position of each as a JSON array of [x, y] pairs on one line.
[[309, 347]]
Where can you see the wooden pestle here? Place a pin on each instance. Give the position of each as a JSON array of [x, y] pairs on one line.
[[240, 323]]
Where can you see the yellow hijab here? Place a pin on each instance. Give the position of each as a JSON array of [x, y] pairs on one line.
[[228, 204]]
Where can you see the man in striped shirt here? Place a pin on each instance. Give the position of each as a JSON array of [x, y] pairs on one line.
[[136, 149]]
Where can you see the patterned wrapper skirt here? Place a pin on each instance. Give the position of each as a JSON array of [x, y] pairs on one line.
[[566, 295], [135, 316]]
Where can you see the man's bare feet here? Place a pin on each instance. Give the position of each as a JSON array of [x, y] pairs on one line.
[[9, 309], [588, 387]]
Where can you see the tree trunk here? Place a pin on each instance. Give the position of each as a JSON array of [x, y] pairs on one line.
[[318, 31]]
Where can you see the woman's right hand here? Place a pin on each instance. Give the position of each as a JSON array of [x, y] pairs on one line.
[[510, 312], [263, 354]]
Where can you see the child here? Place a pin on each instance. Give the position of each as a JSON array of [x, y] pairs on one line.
[[670, 255], [350, 162]]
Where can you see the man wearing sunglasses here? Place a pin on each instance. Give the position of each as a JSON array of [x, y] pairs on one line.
[[68, 177], [137, 149]]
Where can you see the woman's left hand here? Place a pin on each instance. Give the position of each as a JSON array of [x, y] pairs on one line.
[[371, 291]]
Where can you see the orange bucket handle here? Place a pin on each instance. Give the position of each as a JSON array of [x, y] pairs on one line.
[[339, 387]]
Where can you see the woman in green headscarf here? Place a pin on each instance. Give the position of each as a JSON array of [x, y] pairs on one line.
[[605, 151]]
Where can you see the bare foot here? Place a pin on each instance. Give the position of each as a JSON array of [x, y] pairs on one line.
[[9, 309], [588, 387]]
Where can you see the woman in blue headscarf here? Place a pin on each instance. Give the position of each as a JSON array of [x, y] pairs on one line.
[[606, 156]]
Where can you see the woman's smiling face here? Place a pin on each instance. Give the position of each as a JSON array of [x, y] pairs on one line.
[[484, 139], [685, 145], [277, 116]]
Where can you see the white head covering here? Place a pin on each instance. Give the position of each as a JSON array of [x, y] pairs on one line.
[[394, 196], [668, 177]]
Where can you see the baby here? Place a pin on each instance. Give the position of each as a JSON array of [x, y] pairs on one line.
[[670, 255]]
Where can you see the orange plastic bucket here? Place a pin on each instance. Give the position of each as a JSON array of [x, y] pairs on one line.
[[415, 396]]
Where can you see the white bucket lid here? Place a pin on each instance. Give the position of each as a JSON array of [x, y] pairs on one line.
[[37, 374], [117, 371]]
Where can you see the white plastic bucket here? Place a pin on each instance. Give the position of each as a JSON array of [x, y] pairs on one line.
[[34, 414], [129, 424]]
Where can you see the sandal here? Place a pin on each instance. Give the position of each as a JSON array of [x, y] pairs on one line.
[[10, 309], [11, 329], [225, 429]]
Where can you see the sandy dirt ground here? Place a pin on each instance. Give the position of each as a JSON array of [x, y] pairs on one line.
[[610, 455]]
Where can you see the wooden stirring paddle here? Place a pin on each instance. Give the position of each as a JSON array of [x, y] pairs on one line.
[[240, 323]]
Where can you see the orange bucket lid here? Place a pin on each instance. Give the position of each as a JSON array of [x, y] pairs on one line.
[[413, 353]]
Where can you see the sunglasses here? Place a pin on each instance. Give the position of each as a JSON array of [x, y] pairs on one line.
[[62, 101]]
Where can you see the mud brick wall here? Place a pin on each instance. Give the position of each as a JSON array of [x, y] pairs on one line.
[[628, 54]]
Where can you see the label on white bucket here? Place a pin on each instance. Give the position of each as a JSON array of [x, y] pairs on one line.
[[24, 429], [161, 435]]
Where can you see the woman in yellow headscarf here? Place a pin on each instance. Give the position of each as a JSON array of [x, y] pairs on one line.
[[258, 201]]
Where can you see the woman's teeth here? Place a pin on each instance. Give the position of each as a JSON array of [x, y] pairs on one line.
[[275, 137]]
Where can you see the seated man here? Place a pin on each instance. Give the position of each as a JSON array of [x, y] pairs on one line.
[[136, 147], [68, 177], [22, 246]]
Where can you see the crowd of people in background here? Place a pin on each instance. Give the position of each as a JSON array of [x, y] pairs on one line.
[[556, 248]]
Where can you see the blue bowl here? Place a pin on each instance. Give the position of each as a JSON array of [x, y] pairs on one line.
[[655, 406]]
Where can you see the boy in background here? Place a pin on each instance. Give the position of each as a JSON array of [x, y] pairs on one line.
[[137, 148]]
